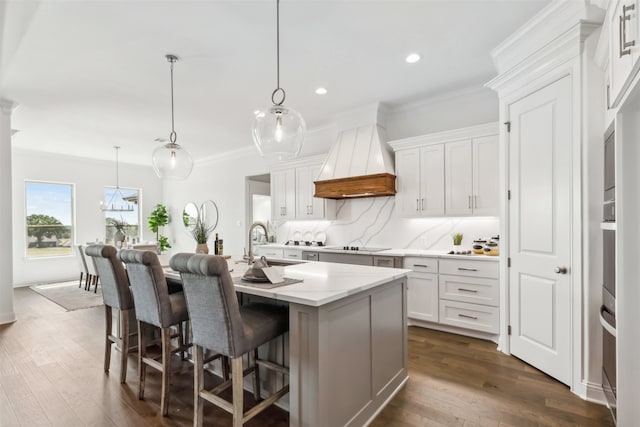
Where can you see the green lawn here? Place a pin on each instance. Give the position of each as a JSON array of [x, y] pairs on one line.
[[48, 252]]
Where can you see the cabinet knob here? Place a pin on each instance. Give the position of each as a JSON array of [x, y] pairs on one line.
[[561, 270]]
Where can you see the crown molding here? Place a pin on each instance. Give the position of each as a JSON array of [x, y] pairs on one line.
[[429, 101], [541, 30], [470, 132]]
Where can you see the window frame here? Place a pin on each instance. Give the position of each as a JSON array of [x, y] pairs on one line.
[[72, 237]]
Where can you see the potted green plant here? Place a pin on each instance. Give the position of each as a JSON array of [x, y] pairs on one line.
[[120, 225], [159, 218], [201, 233], [457, 238]]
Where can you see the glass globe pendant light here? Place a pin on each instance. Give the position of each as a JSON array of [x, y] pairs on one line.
[[278, 131], [170, 160]]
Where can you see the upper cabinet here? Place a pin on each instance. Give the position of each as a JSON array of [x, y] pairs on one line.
[[451, 173], [283, 194], [420, 180], [624, 47], [292, 189]]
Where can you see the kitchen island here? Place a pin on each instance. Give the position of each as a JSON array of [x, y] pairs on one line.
[[347, 347]]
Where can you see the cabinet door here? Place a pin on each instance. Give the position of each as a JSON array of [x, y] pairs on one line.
[[408, 182], [432, 180], [621, 58], [304, 193], [283, 194], [458, 178], [422, 297], [485, 176], [319, 207]]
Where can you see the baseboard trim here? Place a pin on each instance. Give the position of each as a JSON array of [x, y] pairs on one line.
[[386, 402], [7, 318], [593, 393]]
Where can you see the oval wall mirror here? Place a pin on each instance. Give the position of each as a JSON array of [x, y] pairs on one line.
[[209, 214], [190, 215]]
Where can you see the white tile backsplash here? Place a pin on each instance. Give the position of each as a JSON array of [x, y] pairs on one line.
[[373, 222]]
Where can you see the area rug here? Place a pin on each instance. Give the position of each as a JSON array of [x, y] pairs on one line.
[[68, 295]]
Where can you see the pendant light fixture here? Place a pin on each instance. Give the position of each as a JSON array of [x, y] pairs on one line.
[[117, 202], [278, 131], [170, 160]]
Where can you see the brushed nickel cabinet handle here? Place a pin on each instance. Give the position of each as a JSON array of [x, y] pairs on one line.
[[467, 317], [624, 44], [468, 290], [421, 265], [467, 269], [469, 202], [422, 206], [417, 205]]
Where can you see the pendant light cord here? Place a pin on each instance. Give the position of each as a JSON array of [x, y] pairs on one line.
[[172, 136], [278, 88], [117, 169]]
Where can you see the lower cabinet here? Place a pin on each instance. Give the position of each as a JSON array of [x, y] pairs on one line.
[[464, 293]]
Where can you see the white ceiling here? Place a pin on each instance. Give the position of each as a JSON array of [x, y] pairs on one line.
[[92, 74]]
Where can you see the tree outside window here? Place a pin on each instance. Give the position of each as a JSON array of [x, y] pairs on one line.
[[49, 219]]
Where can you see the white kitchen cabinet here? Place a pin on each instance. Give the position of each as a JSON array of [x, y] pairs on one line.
[[292, 189], [458, 178], [294, 253], [283, 194], [307, 206], [422, 289], [469, 294], [420, 178], [452, 173], [267, 251], [624, 47], [471, 177]]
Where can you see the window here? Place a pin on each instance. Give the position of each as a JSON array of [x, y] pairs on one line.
[[49, 209], [117, 215]]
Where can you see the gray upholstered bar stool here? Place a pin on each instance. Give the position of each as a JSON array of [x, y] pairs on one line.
[[218, 323], [116, 293], [155, 307]]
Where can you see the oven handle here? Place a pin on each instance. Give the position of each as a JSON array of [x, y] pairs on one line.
[[606, 324]]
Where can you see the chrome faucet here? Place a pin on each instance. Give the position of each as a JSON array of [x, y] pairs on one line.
[[266, 237]]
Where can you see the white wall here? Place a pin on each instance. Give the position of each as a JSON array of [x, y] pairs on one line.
[[90, 177]]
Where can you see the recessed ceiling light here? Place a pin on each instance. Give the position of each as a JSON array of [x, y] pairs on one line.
[[321, 91], [412, 58]]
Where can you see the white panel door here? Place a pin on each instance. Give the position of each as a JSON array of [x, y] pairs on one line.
[[485, 176], [408, 182], [539, 235], [458, 178], [432, 180]]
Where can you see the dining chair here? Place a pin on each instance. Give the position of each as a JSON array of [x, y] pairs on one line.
[[116, 293], [155, 307], [93, 275], [220, 324], [82, 265]]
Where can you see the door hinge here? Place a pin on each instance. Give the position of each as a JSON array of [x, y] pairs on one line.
[[509, 330], [508, 125], [509, 262], [508, 194]]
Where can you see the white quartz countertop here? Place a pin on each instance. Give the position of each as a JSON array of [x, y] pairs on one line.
[[388, 252], [322, 282]]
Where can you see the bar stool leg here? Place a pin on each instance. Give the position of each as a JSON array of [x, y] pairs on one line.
[[236, 374], [107, 341], [256, 377], [124, 347], [142, 352], [166, 369], [198, 386]]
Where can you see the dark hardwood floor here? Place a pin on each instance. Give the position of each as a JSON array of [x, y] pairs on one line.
[[51, 374]]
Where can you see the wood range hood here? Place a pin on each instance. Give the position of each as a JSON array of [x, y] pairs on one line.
[[360, 163]]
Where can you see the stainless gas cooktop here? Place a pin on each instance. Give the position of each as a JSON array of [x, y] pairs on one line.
[[356, 248]]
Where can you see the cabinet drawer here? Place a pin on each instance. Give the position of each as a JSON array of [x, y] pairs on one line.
[[269, 252], [292, 254], [471, 316], [424, 265], [467, 289], [487, 269]]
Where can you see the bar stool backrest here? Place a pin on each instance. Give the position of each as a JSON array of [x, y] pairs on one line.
[[113, 277]]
